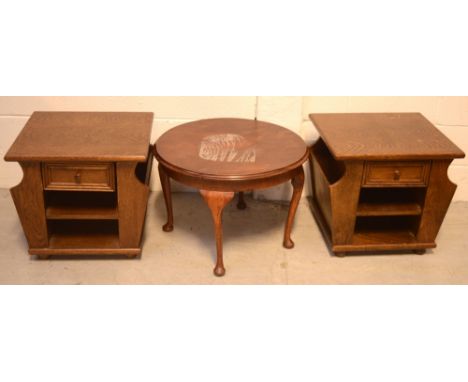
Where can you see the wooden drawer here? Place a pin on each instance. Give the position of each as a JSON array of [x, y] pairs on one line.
[[78, 176], [396, 174]]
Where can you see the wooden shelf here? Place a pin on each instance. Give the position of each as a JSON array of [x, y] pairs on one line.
[[67, 205], [369, 236], [81, 213], [384, 233], [81, 240], [79, 237], [388, 209], [383, 240]]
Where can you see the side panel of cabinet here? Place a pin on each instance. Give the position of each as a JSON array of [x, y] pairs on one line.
[[132, 197], [439, 194], [344, 200], [28, 197]]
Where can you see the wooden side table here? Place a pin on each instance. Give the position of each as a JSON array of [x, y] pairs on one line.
[[86, 182], [380, 181], [223, 156]]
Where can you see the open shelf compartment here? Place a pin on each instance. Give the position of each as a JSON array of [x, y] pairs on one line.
[[81, 237], [385, 230], [76, 205], [390, 202], [75, 234]]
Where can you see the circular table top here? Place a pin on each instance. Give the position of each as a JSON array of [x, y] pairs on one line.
[[231, 148]]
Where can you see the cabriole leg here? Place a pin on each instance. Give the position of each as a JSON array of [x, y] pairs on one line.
[[298, 184], [216, 201], [166, 188], [241, 202]]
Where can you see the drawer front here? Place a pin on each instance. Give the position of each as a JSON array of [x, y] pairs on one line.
[[78, 176], [396, 174]]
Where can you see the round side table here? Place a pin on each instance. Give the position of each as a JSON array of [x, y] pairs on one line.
[[223, 156]]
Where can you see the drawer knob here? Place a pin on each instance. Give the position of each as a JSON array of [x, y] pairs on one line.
[[396, 175], [78, 177]]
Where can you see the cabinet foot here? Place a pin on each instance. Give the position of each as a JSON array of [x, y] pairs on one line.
[[340, 254], [132, 256], [419, 251], [43, 257]]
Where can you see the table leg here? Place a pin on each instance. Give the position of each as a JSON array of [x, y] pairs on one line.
[[241, 202], [166, 188], [216, 201], [298, 184]]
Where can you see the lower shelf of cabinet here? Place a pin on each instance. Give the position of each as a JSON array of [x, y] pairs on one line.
[[81, 237], [60, 245], [369, 239], [75, 205], [85, 251], [388, 209], [382, 240]]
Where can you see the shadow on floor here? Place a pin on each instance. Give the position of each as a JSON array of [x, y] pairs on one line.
[[259, 218]]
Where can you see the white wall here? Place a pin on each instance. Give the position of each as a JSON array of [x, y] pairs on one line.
[[449, 114]]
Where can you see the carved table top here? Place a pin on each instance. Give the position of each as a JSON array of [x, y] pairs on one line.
[[230, 148]]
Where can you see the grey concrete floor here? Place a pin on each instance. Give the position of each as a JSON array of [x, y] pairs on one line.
[[253, 252]]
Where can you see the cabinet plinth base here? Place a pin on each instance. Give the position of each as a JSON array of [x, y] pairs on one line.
[[44, 253], [419, 248]]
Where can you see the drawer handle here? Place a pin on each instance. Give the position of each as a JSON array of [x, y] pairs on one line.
[[78, 177], [396, 175]]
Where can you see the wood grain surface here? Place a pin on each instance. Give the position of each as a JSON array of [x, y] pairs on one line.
[[383, 136], [230, 148], [29, 202], [132, 196], [86, 136]]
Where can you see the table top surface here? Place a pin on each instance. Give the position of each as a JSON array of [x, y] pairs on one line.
[[231, 148], [83, 136], [377, 136]]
